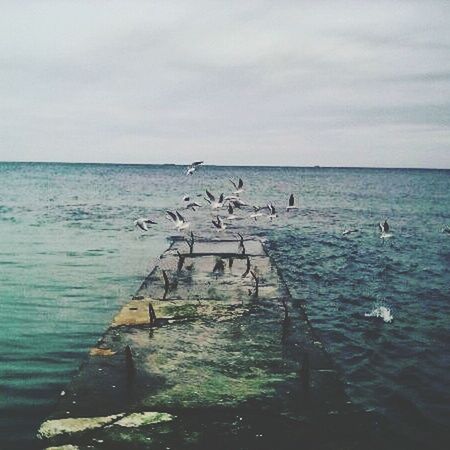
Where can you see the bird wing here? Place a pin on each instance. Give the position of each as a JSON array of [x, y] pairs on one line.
[[233, 183], [196, 163], [240, 184], [221, 198], [150, 221], [180, 217], [210, 196], [172, 215]]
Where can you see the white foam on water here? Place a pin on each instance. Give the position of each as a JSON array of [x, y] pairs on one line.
[[381, 312]]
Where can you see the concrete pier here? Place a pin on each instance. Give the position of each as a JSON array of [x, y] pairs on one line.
[[212, 352]]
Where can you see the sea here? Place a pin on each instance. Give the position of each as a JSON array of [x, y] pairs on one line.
[[70, 256]]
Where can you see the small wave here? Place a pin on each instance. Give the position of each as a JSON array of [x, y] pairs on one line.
[[381, 312]]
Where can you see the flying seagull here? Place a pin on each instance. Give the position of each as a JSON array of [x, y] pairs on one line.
[[212, 200], [291, 203], [231, 198], [384, 227], [239, 187], [193, 205], [272, 213], [256, 213], [142, 223], [219, 224], [193, 167], [178, 220], [231, 215], [238, 203]]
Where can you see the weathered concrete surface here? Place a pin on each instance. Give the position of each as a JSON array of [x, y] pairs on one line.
[[210, 347]]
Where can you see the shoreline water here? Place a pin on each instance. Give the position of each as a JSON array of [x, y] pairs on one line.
[[61, 225]]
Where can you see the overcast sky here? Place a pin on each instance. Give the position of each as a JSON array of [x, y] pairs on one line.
[[332, 83]]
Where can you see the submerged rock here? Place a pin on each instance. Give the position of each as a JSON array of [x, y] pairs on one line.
[[52, 428], [144, 418], [64, 447]]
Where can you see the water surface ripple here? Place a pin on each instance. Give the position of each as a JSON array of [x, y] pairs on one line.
[[69, 257]]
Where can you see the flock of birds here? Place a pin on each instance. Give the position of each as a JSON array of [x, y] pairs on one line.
[[230, 203], [233, 202]]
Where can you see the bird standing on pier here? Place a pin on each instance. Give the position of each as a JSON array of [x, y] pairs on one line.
[[241, 246], [272, 213]]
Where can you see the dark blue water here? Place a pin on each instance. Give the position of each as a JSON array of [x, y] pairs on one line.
[[70, 256]]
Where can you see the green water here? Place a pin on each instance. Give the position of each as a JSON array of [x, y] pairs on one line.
[[70, 256]]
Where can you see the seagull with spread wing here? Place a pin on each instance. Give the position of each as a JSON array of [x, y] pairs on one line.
[[213, 202], [219, 224], [239, 187], [178, 220], [193, 167], [142, 223]]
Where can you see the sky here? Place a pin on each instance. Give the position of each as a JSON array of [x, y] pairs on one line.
[[255, 82]]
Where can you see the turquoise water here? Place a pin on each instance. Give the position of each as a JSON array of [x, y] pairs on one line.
[[70, 256]]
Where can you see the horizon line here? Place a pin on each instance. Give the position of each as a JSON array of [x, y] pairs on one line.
[[317, 166]]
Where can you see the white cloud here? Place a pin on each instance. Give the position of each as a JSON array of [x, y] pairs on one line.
[[286, 82]]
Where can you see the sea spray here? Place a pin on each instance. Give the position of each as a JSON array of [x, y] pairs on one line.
[[381, 312]]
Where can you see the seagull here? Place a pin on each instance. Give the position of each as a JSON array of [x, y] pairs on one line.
[[178, 220], [256, 213], [446, 229], [186, 198], [220, 225], [272, 212], [231, 215], [241, 246], [348, 231], [193, 205], [384, 227], [142, 223], [219, 266], [212, 200], [231, 198], [239, 187], [291, 203], [193, 167], [239, 203]]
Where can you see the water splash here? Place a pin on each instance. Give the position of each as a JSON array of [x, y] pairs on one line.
[[381, 312]]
